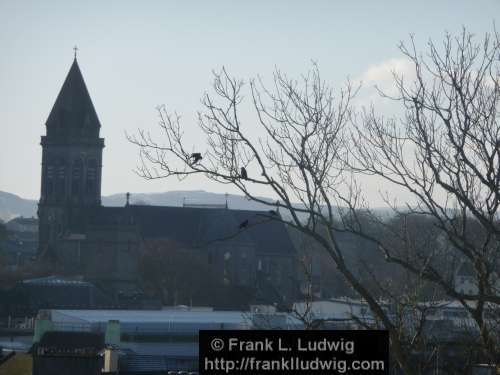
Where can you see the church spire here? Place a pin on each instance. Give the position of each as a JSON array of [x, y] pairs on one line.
[[73, 113]]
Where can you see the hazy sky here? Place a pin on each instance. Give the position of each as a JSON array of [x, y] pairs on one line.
[[135, 55]]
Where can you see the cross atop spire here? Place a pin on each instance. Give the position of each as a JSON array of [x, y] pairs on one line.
[[75, 48]]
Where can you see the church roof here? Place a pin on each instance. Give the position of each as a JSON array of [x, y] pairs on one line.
[[73, 109], [202, 227]]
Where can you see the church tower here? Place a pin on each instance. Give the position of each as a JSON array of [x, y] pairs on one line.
[[71, 163]]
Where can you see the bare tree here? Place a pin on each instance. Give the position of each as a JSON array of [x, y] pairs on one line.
[[445, 152], [300, 158]]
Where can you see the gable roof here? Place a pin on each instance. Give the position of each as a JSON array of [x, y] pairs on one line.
[[73, 108]]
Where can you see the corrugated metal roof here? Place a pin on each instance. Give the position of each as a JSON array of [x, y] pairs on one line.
[[172, 322]]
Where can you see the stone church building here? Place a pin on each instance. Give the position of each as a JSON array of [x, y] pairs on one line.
[[104, 244]]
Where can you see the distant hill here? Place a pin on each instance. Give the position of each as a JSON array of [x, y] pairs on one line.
[[12, 205]]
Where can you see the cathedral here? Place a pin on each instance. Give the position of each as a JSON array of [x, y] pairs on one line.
[[104, 244]]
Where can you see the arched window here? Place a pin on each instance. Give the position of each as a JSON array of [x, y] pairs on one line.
[[60, 178], [76, 177], [49, 177], [91, 176]]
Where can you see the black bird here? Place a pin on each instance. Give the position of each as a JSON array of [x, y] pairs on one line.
[[272, 212], [196, 156], [244, 224], [244, 174]]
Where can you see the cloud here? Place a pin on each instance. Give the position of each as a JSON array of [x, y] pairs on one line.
[[383, 71], [381, 76]]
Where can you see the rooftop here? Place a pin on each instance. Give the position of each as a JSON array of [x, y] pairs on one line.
[[197, 227], [55, 281], [150, 316], [72, 340]]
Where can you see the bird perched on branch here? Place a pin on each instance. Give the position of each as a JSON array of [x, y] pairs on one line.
[[196, 156], [244, 174], [243, 224]]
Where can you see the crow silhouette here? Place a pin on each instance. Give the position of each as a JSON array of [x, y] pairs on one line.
[[243, 224], [196, 156], [244, 174]]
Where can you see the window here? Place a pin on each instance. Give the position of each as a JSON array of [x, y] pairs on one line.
[[49, 178], [61, 171], [91, 176], [61, 178], [50, 171], [76, 176]]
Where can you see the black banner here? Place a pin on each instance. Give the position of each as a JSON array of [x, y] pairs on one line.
[[273, 352]]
